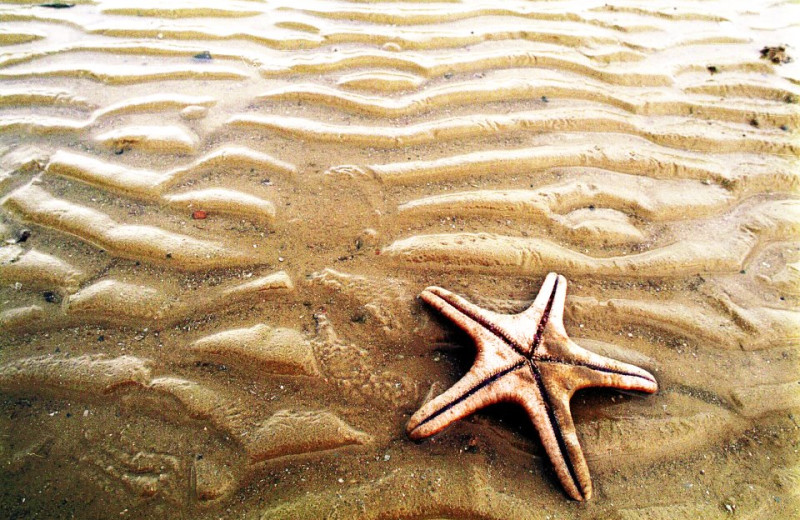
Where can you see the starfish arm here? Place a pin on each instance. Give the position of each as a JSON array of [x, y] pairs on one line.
[[535, 312], [555, 316], [586, 369], [551, 417], [480, 387], [469, 317]]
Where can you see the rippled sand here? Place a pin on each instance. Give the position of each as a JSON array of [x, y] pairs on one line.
[[216, 217]]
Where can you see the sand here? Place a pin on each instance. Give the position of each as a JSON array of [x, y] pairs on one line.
[[216, 217]]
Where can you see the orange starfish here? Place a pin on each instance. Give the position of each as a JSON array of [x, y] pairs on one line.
[[527, 358]]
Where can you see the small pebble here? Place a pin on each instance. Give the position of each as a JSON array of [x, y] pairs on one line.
[[23, 235], [199, 214]]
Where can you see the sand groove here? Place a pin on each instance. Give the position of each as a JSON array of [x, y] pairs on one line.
[[640, 102], [715, 330], [152, 186], [184, 10], [43, 124], [436, 490], [127, 241], [408, 37], [656, 438], [284, 433], [648, 160], [41, 96], [326, 358], [37, 269], [432, 66], [730, 139], [529, 256], [59, 375], [118, 302], [640, 196], [659, 163], [215, 218], [121, 75], [158, 139], [501, 253], [288, 433], [275, 350]]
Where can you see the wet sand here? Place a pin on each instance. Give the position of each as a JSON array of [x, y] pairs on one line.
[[216, 217]]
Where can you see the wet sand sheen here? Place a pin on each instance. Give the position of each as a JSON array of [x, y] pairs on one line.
[[215, 221]]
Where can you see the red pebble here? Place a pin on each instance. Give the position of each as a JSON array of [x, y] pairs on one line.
[[199, 214]]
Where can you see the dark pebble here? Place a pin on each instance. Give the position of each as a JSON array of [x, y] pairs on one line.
[[23, 235]]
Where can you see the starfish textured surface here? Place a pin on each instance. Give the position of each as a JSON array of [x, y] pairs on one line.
[[527, 358]]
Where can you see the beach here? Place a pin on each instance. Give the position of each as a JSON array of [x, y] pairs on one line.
[[217, 219]]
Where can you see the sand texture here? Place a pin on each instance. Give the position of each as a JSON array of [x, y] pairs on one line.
[[216, 217]]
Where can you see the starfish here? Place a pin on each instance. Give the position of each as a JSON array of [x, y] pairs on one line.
[[527, 358]]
